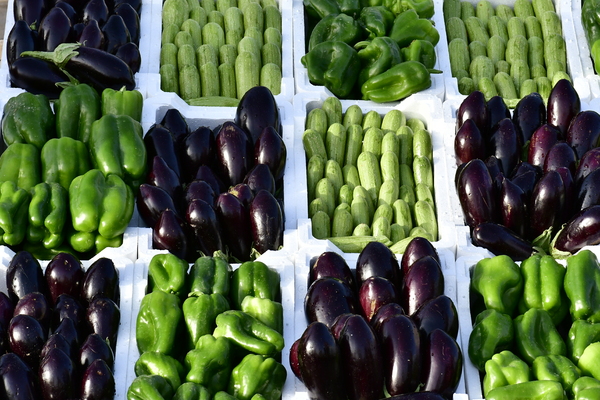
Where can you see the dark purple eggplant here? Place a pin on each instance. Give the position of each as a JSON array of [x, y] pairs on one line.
[[175, 122], [18, 381], [563, 105], [68, 330], [529, 114], [24, 275], [500, 240], [136, 4], [235, 225], [20, 38], [330, 263], [423, 282], [374, 293], [438, 313], [493, 166], [233, 154], [36, 76], [78, 30], [474, 107], [200, 190], [93, 348], [260, 178], [243, 192], [205, 173], [588, 163], [195, 149], [69, 10], [588, 193], [540, 144], [294, 362], [257, 110], [91, 35], [101, 279], [376, 259], [362, 361], [98, 382], [163, 176], [417, 248], [152, 201], [115, 33], [401, 350], [442, 363], [202, 218], [64, 275], [4, 344], [583, 229], [547, 204], [584, 132], [327, 298], [104, 316], [561, 155], [497, 111], [160, 141], [57, 376], [270, 149], [266, 222], [7, 309], [55, 28], [513, 208], [570, 193], [468, 143], [68, 306], [384, 312], [36, 305], [95, 9], [320, 366], [26, 338], [526, 181], [58, 341], [130, 54], [171, 234], [505, 145], [131, 19], [30, 11], [475, 189]]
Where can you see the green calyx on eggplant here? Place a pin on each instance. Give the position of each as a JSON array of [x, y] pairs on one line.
[[257, 110]]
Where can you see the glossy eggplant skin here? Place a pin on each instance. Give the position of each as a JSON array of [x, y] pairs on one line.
[[170, 234], [36, 76], [163, 176], [529, 114], [100, 69], [57, 341], [160, 141], [547, 204], [257, 110], [7, 309], [474, 107], [131, 19], [476, 194], [384, 312], [91, 35], [18, 380], [497, 111], [20, 38], [235, 225], [540, 144], [331, 264], [26, 338], [438, 313], [103, 316], [95, 9], [93, 348], [423, 282], [583, 229], [243, 192], [115, 33], [29, 11], [584, 132], [266, 222], [326, 299], [98, 382], [69, 332], [195, 149], [269, 149], [57, 376], [101, 279], [442, 364], [588, 193], [64, 275], [469, 143], [513, 208], [500, 240], [259, 177], [417, 248], [563, 105], [233, 154], [561, 155], [205, 173], [68, 306], [54, 29], [505, 144], [588, 163], [200, 190], [376, 259], [130, 53], [418, 396], [152, 201], [36, 305], [526, 181], [203, 220], [374, 293], [175, 122], [24, 275]]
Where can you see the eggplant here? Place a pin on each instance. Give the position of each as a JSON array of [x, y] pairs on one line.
[[384, 312], [92, 35], [588, 163], [570, 193], [195, 149], [26, 337], [30, 11], [423, 282], [493, 166], [417, 248], [55, 28], [20, 38], [233, 154], [68, 306], [104, 316], [497, 111], [36, 76], [588, 193], [540, 144], [504, 144], [69, 11], [501, 241], [98, 382], [442, 363], [36, 305], [205, 173], [374, 293], [526, 181], [57, 376], [115, 33], [95, 9], [174, 121], [561, 155], [260, 178], [4, 344], [293, 359], [269, 149], [163, 176], [152, 201], [583, 229], [319, 359], [583, 133], [171, 234], [200, 190], [160, 141], [475, 189], [547, 204], [7, 309], [243, 192], [18, 381], [330, 263], [266, 222], [376, 259], [68, 330], [529, 114], [562, 106], [101, 279], [257, 110], [474, 107], [57, 341], [136, 4], [513, 208], [93, 348], [131, 18], [24, 275], [202, 218], [64, 275], [438, 313], [130, 54], [235, 224], [327, 298], [469, 143]]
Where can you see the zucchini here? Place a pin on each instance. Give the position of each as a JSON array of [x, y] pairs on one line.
[[533, 27], [550, 24], [369, 174], [256, 34], [233, 20], [456, 29], [270, 77], [207, 53], [497, 27], [407, 175], [381, 227], [333, 108], [537, 70], [484, 11], [199, 15], [335, 142], [271, 54], [422, 192], [403, 215], [183, 38], [480, 67], [362, 230], [505, 85], [535, 55], [422, 145], [423, 171], [214, 101], [186, 56], [313, 144], [425, 218], [253, 16], [476, 49], [542, 6], [217, 17], [487, 87], [169, 78], [315, 206], [315, 171], [476, 30], [353, 116], [209, 79], [195, 30], [168, 54], [516, 27], [212, 33], [354, 139], [555, 49], [388, 192], [174, 12], [466, 85], [272, 17], [224, 5], [316, 119], [360, 191], [407, 194], [467, 10], [390, 143], [321, 225], [390, 168], [356, 244], [372, 139], [502, 66], [396, 233], [359, 209], [249, 44], [227, 54], [384, 210], [496, 49], [544, 86], [247, 72], [517, 48], [272, 35], [523, 9], [371, 119], [189, 82], [393, 120], [351, 177], [227, 83], [405, 140], [342, 224], [333, 172], [345, 195], [415, 124], [527, 87], [208, 5], [458, 51], [325, 191], [505, 12], [451, 9], [168, 33], [519, 72]]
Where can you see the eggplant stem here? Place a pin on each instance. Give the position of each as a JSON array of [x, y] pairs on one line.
[[60, 56]]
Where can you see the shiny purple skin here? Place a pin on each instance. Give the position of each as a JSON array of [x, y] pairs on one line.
[[235, 225], [442, 363], [583, 229], [24, 275], [384, 312], [164, 177], [588, 163], [339, 323], [438, 313], [54, 29], [561, 155], [200, 190], [584, 132], [68, 330], [31, 11], [57, 376], [376, 259], [270, 149], [98, 382], [513, 208], [500, 240], [26, 338], [152, 201], [526, 181], [68, 306], [233, 154], [330, 263], [266, 222], [93, 348], [136, 4], [528, 115], [131, 19], [101, 279], [17, 380], [36, 76], [58, 341], [257, 110], [563, 105], [417, 248], [374, 293], [103, 316], [64, 275], [469, 143], [319, 359], [7, 309], [69, 10], [540, 144], [505, 144], [92, 35], [20, 38], [170, 233], [36, 305], [497, 111], [205, 173], [130, 54], [362, 360], [476, 194], [401, 350], [326, 299], [160, 141], [174, 121], [95, 9], [547, 204], [243, 192], [203, 220], [588, 193], [493, 166], [100, 69], [195, 149], [260, 178], [423, 282], [570, 193], [474, 107], [294, 362]]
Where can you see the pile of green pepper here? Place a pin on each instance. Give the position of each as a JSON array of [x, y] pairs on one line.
[[68, 175], [536, 333], [379, 50], [210, 332]]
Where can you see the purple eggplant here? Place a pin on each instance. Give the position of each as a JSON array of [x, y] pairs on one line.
[[7, 309], [563, 105], [401, 349], [331, 264], [170, 233], [474, 107], [200, 190], [584, 132], [384, 312], [493, 166], [588, 193], [374, 293], [101, 279], [583, 229], [526, 181], [115, 33], [93, 348], [163, 176], [20, 38], [319, 359], [497, 111], [528, 116], [36, 76], [69, 332], [69, 10], [26, 338], [438, 313], [235, 225], [442, 363], [202, 218], [588, 163], [294, 362], [24, 275], [18, 381], [376, 259], [152, 201], [205, 173], [500, 240], [326, 299], [243, 192], [64, 275], [233, 154], [260, 178], [469, 143], [98, 382], [475, 189], [175, 122], [55, 28], [195, 149], [95, 9], [57, 376], [136, 4], [505, 145], [104, 316], [160, 141], [561, 155], [270, 149], [513, 208], [36, 305], [266, 222], [130, 54], [417, 248], [30, 11], [423, 282], [570, 193], [68, 306], [257, 110], [58, 341], [540, 144], [547, 204], [131, 19]]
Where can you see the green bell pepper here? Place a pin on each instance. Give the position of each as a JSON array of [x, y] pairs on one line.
[[422, 51], [28, 118], [377, 56], [334, 65], [257, 375], [101, 208], [254, 278], [590, 20], [503, 369], [20, 163], [321, 8], [408, 27], [14, 207], [377, 20], [47, 214], [586, 388], [397, 83], [581, 334], [335, 28], [200, 312], [499, 282], [116, 147], [157, 363], [350, 7], [492, 332], [149, 387], [267, 311], [589, 362], [64, 159], [210, 275], [192, 391], [158, 323], [248, 333], [167, 272], [222, 395], [77, 107], [532, 390], [122, 102], [582, 285], [209, 364], [556, 368], [536, 335], [424, 8]]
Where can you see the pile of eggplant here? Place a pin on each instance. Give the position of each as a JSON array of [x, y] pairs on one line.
[[529, 182], [387, 328], [58, 329], [217, 190], [94, 42]]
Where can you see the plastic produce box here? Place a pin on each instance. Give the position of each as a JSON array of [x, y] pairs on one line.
[[307, 255], [574, 64], [428, 109], [301, 75], [587, 65], [287, 73], [125, 268], [275, 261]]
